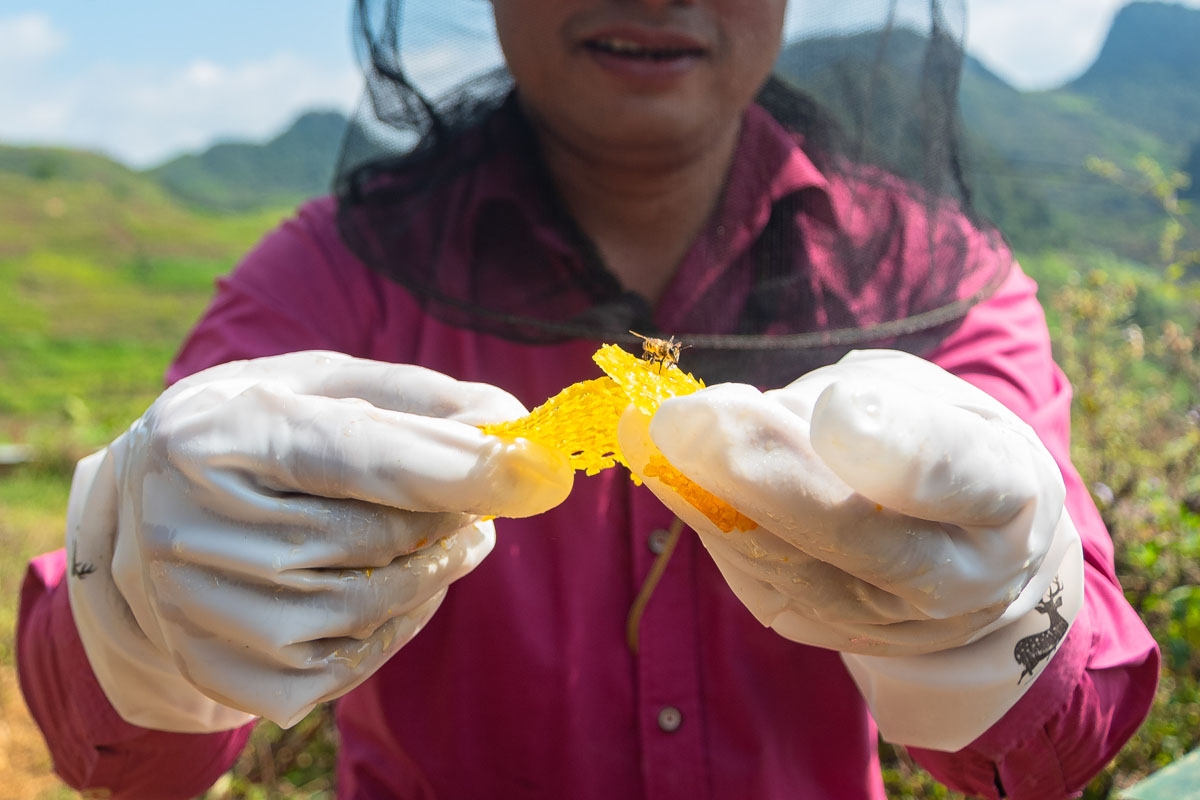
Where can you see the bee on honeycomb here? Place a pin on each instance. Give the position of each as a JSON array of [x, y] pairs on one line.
[[581, 420]]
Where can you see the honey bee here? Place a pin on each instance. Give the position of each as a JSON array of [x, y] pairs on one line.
[[663, 352]]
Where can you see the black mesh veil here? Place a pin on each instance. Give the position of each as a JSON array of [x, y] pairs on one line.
[[868, 87]]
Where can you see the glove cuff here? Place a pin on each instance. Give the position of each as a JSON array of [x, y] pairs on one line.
[[945, 700], [138, 678]]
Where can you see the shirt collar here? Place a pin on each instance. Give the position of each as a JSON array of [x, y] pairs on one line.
[[769, 164]]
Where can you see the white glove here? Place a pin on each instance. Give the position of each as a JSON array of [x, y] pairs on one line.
[[906, 519], [271, 531]]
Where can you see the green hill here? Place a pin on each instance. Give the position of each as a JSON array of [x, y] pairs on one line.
[[1141, 97], [102, 271], [1148, 72], [81, 203], [1028, 150], [240, 175]]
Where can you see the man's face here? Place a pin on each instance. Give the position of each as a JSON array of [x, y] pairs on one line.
[[643, 75]]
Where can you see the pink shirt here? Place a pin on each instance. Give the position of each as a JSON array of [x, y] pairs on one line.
[[522, 685]]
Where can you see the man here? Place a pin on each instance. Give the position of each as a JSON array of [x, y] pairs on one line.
[[283, 526]]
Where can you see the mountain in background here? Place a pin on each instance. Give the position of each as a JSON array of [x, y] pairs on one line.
[[1141, 96], [1028, 150], [235, 176], [1149, 71], [77, 203]]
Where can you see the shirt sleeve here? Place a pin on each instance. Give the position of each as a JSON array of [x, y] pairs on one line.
[[1098, 687], [291, 292], [89, 743]]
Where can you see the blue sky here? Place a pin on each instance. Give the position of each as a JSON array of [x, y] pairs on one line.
[[143, 81]]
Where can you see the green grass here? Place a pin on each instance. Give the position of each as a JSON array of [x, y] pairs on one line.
[[70, 328], [101, 276]]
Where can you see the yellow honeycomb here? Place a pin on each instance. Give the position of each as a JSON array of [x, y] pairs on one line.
[[581, 422]]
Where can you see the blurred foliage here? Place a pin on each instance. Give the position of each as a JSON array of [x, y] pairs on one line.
[[1179, 239], [292, 764], [1136, 436]]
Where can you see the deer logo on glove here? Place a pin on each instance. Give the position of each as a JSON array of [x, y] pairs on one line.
[[80, 569], [1032, 650]]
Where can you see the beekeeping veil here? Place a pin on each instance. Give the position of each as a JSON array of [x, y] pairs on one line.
[[870, 89]]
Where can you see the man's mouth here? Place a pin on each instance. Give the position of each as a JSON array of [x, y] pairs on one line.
[[627, 48]]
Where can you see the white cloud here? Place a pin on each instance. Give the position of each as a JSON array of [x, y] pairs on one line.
[[204, 73], [28, 37], [1035, 44], [143, 116]]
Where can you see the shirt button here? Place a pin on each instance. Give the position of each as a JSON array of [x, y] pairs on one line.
[[669, 719], [657, 541]]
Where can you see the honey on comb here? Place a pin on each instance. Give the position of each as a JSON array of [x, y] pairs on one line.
[[581, 423]]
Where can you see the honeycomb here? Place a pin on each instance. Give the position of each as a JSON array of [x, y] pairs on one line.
[[581, 423]]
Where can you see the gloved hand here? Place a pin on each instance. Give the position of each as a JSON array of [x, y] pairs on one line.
[[906, 519], [271, 531]]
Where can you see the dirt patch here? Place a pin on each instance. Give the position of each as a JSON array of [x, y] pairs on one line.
[[24, 760]]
